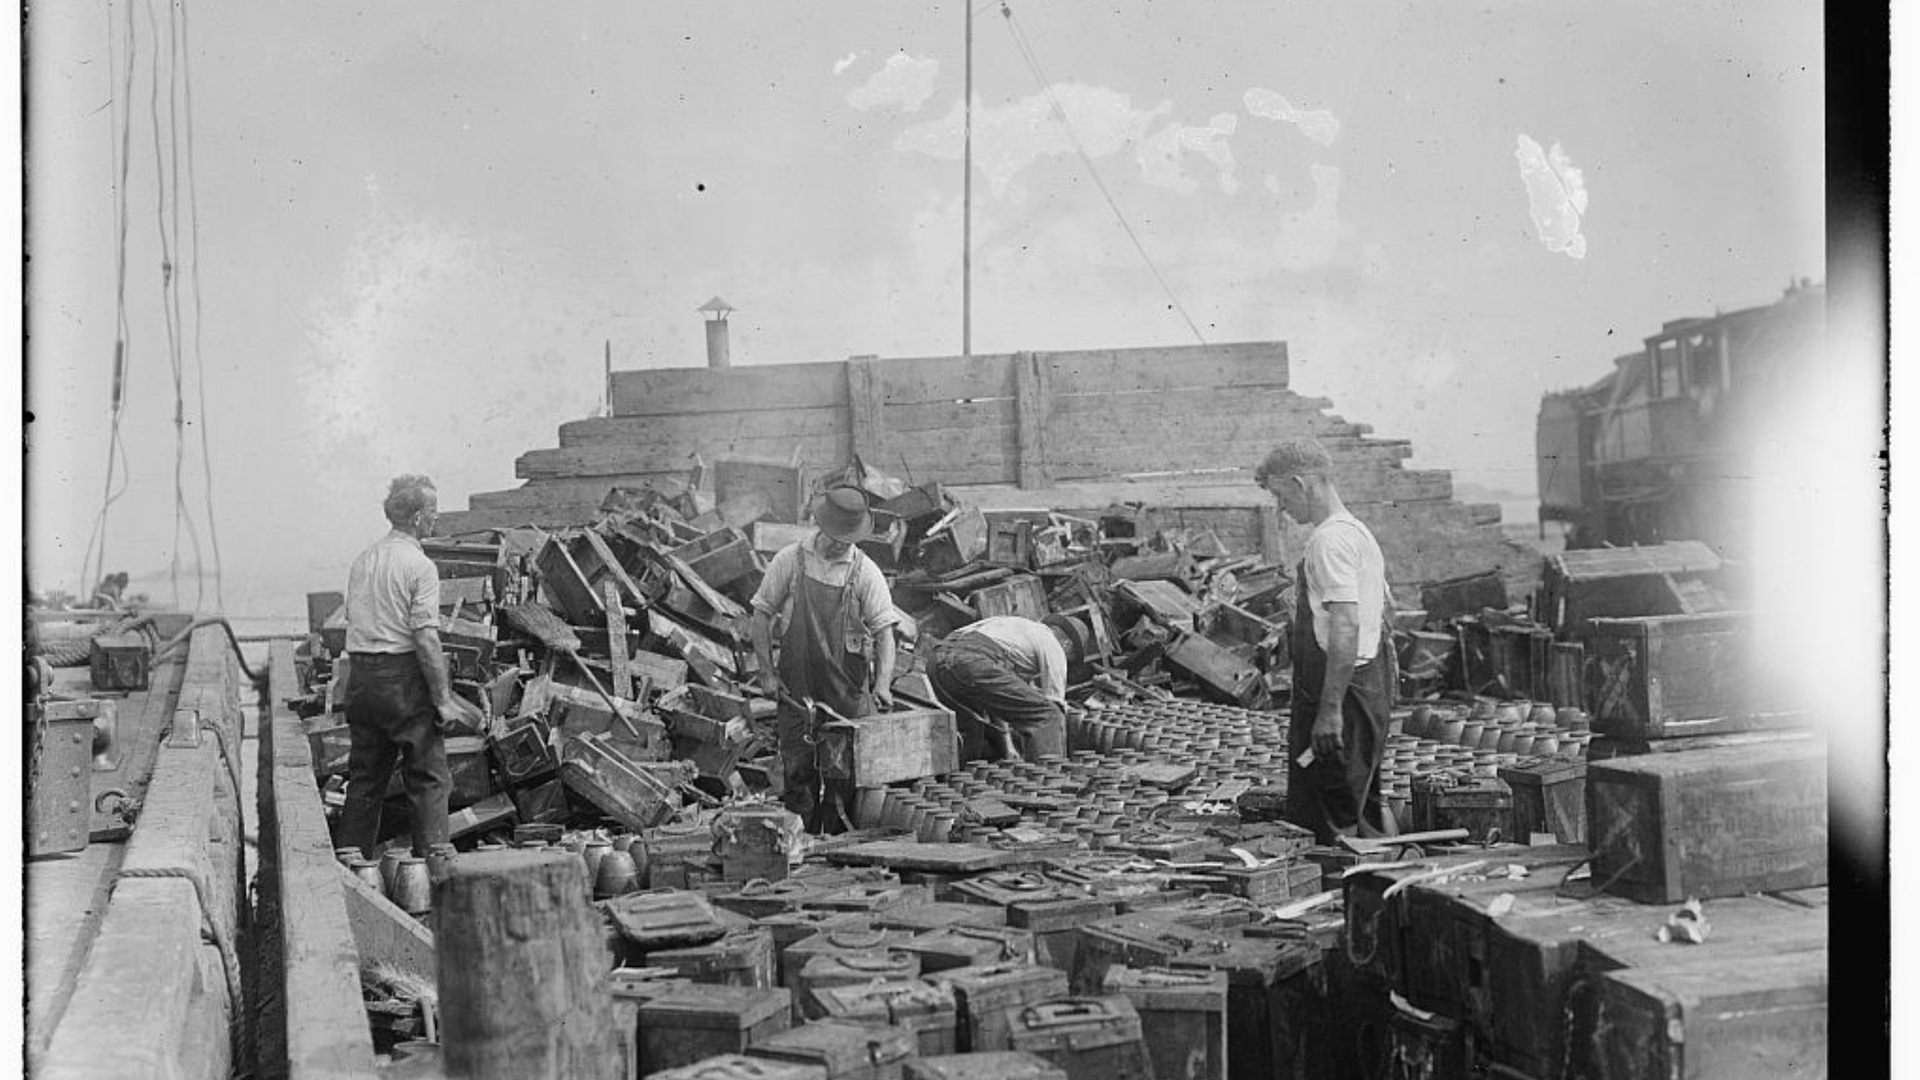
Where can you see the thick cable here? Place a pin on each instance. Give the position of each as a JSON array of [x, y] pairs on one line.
[[122, 348], [238, 1017], [199, 363], [1032, 61], [233, 640]]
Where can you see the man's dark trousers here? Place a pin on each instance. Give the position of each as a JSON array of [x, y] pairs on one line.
[[392, 721], [977, 675]]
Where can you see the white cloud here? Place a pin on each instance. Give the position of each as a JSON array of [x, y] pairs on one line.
[[905, 84], [1008, 138], [1556, 196], [845, 62], [1319, 125], [1160, 153]]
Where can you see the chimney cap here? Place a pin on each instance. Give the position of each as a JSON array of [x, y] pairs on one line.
[[717, 306]]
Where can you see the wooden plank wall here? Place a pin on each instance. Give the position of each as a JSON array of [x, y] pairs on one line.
[[1032, 419], [1026, 418]]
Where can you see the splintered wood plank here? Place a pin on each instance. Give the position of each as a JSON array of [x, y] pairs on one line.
[[617, 641], [383, 933], [611, 459], [684, 391], [680, 430]]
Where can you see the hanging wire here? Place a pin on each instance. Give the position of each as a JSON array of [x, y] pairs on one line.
[[167, 213], [122, 345], [1032, 61], [199, 363]]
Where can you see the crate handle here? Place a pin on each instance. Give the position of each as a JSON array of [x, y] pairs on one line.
[[862, 962], [856, 939], [1062, 1011]]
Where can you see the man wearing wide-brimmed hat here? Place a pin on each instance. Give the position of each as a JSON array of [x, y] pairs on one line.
[[834, 603]]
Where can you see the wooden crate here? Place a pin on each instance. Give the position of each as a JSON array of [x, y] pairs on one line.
[[742, 1067], [872, 751], [848, 1051], [787, 485], [1566, 675], [1605, 749], [1223, 674], [1425, 1045], [988, 1065], [1446, 925], [1021, 595], [1271, 984], [927, 1011], [638, 796], [1134, 940], [1663, 676], [1513, 659], [1549, 796], [987, 995], [687, 1024], [1762, 1017], [720, 558], [121, 662], [742, 957], [1516, 1000], [1090, 1038], [1183, 1018], [1704, 823], [1581, 585]]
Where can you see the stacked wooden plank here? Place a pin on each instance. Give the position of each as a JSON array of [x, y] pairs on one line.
[[1063, 426]]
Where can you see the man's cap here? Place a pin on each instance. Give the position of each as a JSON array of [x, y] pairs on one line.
[[841, 512]]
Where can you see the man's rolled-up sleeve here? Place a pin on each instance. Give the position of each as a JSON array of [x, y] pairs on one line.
[[1333, 568], [876, 603], [778, 581], [423, 605]]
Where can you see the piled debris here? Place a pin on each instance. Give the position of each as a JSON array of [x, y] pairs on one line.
[[1136, 907], [617, 677]]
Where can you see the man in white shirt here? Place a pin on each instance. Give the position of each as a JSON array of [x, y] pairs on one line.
[[1342, 653], [1012, 673], [835, 602], [398, 692]]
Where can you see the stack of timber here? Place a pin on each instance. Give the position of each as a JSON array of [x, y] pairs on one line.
[[1178, 429]]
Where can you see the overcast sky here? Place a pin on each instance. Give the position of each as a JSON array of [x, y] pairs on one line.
[[419, 223]]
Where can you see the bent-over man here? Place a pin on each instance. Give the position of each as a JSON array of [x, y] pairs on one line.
[[1342, 652], [1010, 674], [398, 692]]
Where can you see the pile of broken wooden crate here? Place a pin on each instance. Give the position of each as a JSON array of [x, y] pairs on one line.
[[1212, 942], [659, 705], [1136, 908]]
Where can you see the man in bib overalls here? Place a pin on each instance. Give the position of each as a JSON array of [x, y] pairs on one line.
[[834, 602], [1342, 653]]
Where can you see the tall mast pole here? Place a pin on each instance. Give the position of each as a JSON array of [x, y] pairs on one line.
[[966, 202]]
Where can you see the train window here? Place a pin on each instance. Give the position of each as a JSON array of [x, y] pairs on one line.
[[1666, 369], [1703, 363]]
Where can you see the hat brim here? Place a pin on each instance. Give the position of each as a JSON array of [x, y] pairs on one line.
[[859, 532]]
